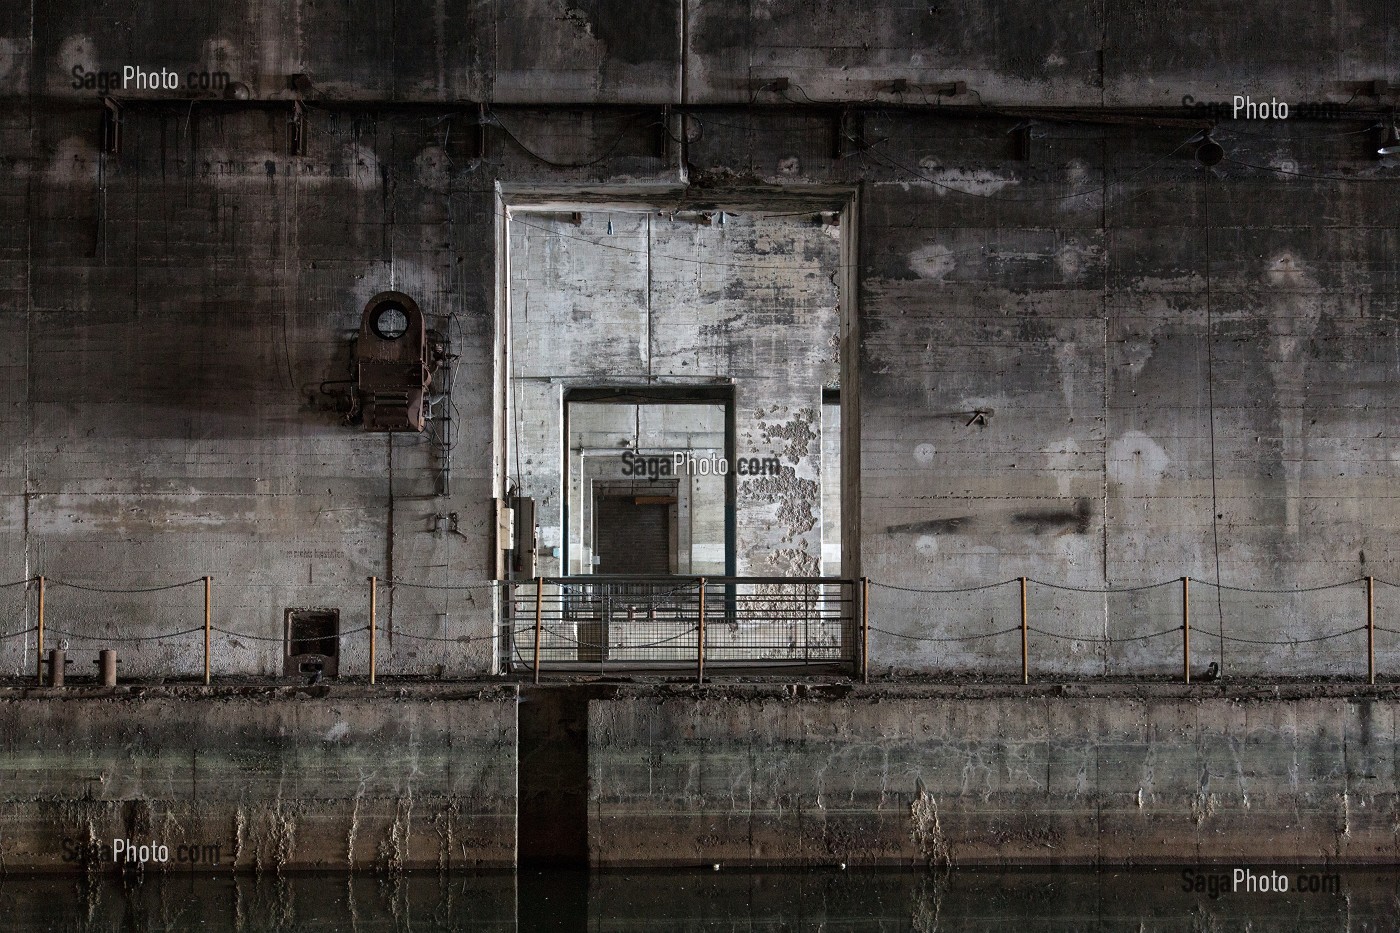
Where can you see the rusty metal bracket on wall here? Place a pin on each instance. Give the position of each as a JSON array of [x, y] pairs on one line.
[[296, 130]]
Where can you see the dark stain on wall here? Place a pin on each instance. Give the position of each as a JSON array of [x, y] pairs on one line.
[[1056, 521]]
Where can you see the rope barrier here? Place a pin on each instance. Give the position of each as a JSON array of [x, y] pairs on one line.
[[1109, 640], [882, 631], [963, 589], [1386, 583], [122, 638], [1305, 589], [140, 589], [490, 584], [1291, 641], [23, 631], [1112, 589], [231, 633], [461, 639], [6, 586]]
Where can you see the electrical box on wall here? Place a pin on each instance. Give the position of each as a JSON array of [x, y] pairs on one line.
[[393, 369], [525, 536]]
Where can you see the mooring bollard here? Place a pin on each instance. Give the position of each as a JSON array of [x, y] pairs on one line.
[[58, 662], [107, 666]]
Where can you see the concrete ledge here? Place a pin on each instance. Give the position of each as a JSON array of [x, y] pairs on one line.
[[263, 779], [994, 776]]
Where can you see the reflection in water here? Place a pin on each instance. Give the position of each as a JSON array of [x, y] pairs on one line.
[[825, 900]]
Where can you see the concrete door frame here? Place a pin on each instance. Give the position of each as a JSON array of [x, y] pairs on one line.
[[844, 201]]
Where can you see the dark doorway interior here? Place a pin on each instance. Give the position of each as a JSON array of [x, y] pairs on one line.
[[312, 642], [632, 534]]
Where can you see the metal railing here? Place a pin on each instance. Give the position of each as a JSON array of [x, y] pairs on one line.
[[1007, 628], [597, 622]]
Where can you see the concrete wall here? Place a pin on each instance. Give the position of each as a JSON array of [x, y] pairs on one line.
[[1193, 370], [277, 779], [1063, 53], [985, 775]]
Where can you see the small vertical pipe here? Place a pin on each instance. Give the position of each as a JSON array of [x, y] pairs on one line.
[[1025, 639], [700, 653], [1371, 629], [41, 630], [207, 624], [373, 624], [1186, 629], [539, 618], [865, 630]]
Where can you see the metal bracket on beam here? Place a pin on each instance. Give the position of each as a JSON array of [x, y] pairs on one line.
[[850, 133], [663, 136], [111, 142], [297, 130]]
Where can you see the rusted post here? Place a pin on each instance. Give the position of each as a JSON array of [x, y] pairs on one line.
[[1025, 637], [1371, 629], [1186, 629], [700, 652], [539, 618], [207, 622], [373, 623], [40, 671], [865, 630]]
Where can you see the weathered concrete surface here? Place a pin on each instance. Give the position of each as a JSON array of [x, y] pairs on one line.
[[1193, 370], [275, 778], [1065, 53], [987, 775]]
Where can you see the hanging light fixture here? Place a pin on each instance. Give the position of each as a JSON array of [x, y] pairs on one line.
[[1391, 144], [1209, 152]]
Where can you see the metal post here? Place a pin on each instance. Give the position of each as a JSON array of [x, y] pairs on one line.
[[41, 630], [1186, 629], [373, 624], [700, 653], [539, 617], [207, 619], [865, 630], [1371, 629], [1025, 639]]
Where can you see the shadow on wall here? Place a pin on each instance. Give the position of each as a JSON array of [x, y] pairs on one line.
[[242, 372]]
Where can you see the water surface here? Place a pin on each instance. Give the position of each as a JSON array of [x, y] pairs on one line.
[[831, 901]]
